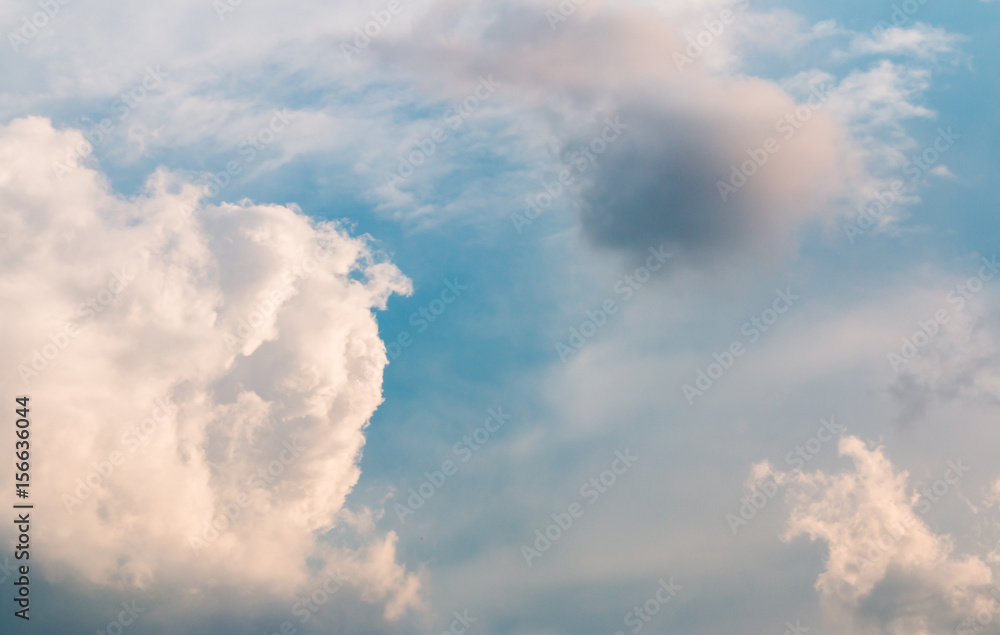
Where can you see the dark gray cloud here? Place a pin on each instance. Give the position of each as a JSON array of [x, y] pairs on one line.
[[698, 178], [658, 185]]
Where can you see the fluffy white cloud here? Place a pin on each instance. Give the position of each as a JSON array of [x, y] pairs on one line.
[[186, 363], [885, 568]]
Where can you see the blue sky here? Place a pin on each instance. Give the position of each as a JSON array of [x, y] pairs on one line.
[[421, 351]]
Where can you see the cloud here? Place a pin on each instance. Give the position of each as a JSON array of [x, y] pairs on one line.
[[716, 164], [694, 173], [694, 120], [189, 365], [885, 568], [921, 41], [957, 362]]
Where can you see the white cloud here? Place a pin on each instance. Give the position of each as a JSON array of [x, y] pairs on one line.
[[885, 568], [181, 354], [921, 41]]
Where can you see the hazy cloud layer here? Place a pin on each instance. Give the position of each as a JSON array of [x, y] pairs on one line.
[[712, 162]]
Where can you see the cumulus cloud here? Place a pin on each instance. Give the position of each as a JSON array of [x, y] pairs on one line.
[[188, 366], [885, 569]]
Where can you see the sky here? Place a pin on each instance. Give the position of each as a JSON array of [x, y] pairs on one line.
[[512, 317]]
